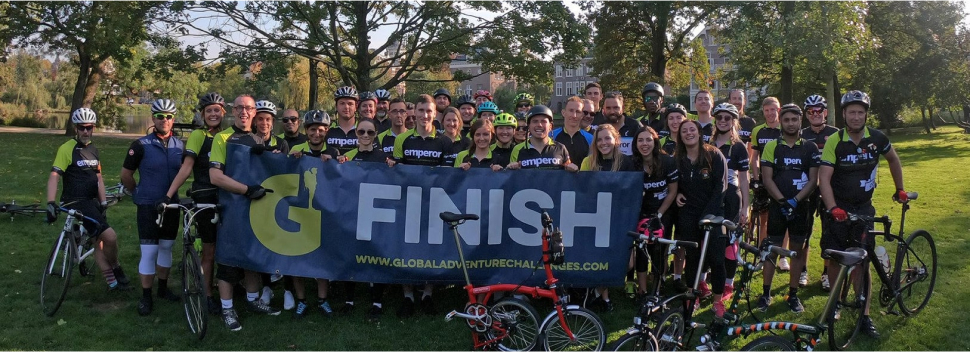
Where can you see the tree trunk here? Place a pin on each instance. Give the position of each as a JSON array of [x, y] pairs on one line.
[[787, 78], [966, 113], [658, 45], [932, 123], [77, 100], [314, 85], [834, 109], [926, 125]]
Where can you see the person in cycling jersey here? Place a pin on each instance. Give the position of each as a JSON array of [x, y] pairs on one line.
[[818, 131], [703, 102], [626, 126], [521, 128], [524, 102], [341, 136], [239, 133], [761, 135], [367, 105], [480, 153], [410, 119], [703, 180], [291, 128], [451, 128], [157, 158], [790, 170], [653, 99], [847, 177], [727, 140], [195, 161], [589, 110], [540, 151], [397, 113], [674, 114], [505, 125], [594, 93], [576, 140], [78, 163], [660, 178], [265, 115], [466, 106], [746, 123], [383, 104]]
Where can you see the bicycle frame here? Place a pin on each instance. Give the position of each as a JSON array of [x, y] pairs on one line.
[[80, 234]]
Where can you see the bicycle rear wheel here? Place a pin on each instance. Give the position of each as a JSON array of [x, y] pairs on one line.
[[193, 289], [638, 341], [769, 343], [520, 322], [587, 328], [57, 273], [918, 272], [670, 330], [844, 323]]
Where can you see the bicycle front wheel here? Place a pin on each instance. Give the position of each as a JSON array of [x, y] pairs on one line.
[[670, 330], [917, 275], [769, 343], [193, 289], [587, 329], [638, 341], [845, 321], [57, 273], [519, 324]]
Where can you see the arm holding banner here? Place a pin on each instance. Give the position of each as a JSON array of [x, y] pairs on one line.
[[225, 182]]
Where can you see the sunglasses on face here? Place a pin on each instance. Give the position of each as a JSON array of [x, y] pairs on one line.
[[291, 119], [164, 116], [588, 113], [523, 106], [522, 128], [85, 128], [649, 98], [724, 117], [370, 133], [815, 111]]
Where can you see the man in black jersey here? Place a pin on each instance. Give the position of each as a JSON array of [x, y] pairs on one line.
[[342, 135], [594, 93], [704, 102], [653, 98], [626, 126], [540, 151], [761, 135], [576, 140], [816, 112], [291, 128], [397, 114], [736, 97]]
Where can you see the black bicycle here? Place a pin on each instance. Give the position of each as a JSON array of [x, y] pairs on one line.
[[15, 209]]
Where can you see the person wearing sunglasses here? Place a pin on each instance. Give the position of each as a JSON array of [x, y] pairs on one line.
[[653, 98], [265, 115], [818, 132], [736, 197], [523, 102], [157, 157], [589, 113], [195, 161], [576, 140], [410, 120], [521, 128], [291, 128], [504, 128], [397, 114], [239, 133], [78, 163], [343, 138]]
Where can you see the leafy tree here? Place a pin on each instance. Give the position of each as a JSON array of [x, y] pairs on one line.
[[693, 66]]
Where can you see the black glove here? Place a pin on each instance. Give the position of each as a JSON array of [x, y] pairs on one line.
[[51, 212], [258, 149], [256, 192], [655, 224]]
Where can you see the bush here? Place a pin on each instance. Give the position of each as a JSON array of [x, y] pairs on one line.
[[27, 122]]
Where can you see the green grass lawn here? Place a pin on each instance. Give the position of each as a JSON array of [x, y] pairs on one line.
[[93, 319]]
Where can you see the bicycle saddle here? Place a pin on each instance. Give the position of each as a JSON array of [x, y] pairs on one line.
[[452, 217], [850, 257], [705, 222]]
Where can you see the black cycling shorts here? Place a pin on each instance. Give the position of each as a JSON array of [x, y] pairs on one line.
[[799, 228], [149, 232], [92, 209], [207, 230], [230, 274], [841, 235]]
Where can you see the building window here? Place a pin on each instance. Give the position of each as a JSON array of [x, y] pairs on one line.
[[479, 87], [569, 88], [468, 89], [558, 70], [579, 71], [569, 72], [558, 89]]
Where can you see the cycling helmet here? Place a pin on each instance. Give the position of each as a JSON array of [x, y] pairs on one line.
[[683, 111], [210, 99], [266, 106], [653, 87], [316, 117], [790, 107], [855, 97], [488, 106], [505, 119], [483, 93], [524, 98], [539, 110], [83, 115], [815, 100], [651, 227], [726, 107], [442, 91], [345, 92], [163, 105], [519, 116], [368, 96], [382, 94], [465, 99]]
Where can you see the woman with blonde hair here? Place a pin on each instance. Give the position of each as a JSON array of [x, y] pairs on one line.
[[605, 154]]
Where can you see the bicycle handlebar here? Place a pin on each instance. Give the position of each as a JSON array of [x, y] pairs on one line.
[[188, 206], [650, 239], [771, 249]]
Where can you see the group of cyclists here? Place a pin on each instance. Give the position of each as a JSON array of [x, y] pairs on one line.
[[718, 162]]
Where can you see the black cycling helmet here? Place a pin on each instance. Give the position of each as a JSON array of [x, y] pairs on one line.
[[368, 96], [211, 99], [675, 108], [442, 91], [465, 99], [790, 107], [652, 87], [316, 117], [855, 97], [539, 110]]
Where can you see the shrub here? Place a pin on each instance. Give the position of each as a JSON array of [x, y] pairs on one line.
[[27, 122]]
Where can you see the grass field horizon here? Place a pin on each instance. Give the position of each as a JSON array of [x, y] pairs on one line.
[[934, 165]]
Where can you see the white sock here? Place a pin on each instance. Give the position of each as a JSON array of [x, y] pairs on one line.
[[676, 276], [252, 296], [378, 305], [729, 282], [409, 295], [226, 303], [426, 295]]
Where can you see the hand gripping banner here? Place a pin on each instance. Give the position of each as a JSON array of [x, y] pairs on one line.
[[369, 222]]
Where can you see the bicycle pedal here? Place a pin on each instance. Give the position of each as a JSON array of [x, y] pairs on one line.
[[451, 315]]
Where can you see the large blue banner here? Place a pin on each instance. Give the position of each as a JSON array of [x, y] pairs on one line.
[[372, 223]]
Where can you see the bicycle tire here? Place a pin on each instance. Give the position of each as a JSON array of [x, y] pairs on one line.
[[520, 321], [56, 277], [917, 268], [586, 327], [769, 343], [193, 289], [639, 341], [669, 330], [843, 329]]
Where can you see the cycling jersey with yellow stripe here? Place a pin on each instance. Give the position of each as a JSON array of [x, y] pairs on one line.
[[79, 166]]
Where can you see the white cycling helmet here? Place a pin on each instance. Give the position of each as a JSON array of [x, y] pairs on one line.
[[83, 116], [266, 106], [164, 106], [815, 100], [382, 94]]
